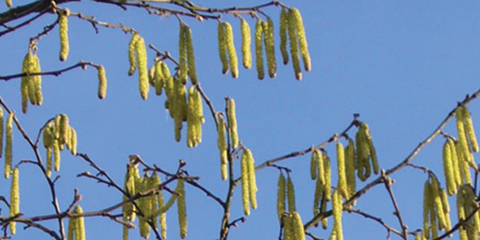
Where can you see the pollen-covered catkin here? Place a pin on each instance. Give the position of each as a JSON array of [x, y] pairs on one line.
[[469, 129], [131, 53], [31, 64], [73, 140], [342, 178], [291, 195], [328, 176], [72, 224], [337, 214], [462, 138], [259, 49], [302, 39], [182, 51], [8, 145], [14, 198], [222, 46], [102, 82], [281, 196], [292, 38], [232, 54], [449, 169], [283, 35], [222, 146], [314, 164], [350, 167], [56, 155], [63, 28], [298, 230], [181, 209], [427, 206], [24, 92], [252, 185], [80, 225], [158, 78], [270, 47], [245, 185], [232, 122], [142, 67], [192, 72], [436, 191], [246, 44], [462, 164]]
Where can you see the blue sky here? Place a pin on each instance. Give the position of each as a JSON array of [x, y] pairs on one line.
[[402, 65]]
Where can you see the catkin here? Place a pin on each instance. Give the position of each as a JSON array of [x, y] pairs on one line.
[[449, 169], [469, 129], [222, 47], [436, 191], [252, 185], [302, 39], [73, 140], [455, 164], [342, 178], [72, 224], [446, 209], [102, 82], [298, 230], [259, 49], [230, 47], [291, 195], [281, 196], [158, 78], [314, 165], [337, 214], [14, 198], [131, 53], [245, 184], [232, 122], [462, 138], [292, 38], [36, 80], [463, 165], [270, 47], [161, 204], [192, 72], [8, 145], [24, 92], [246, 44], [328, 177], [191, 120], [350, 167], [427, 207], [56, 155], [63, 28], [1, 132], [80, 225], [222, 146], [182, 63], [182, 209], [283, 35], [142, 67]]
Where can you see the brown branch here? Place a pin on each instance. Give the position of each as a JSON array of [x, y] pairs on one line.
[[379, 220], [388, 185], [80, 64]]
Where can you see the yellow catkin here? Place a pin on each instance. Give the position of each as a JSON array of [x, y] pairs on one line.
[[314, 164], [158, 78], [292, 38], [191, 119], [161, 204], [24, 92], [283, 35], [63, 28], [291, 195], [192, 72], [182, 51], [152, 183], [80, 225], [182, 209], [222, 47], [270, 47], [461, 214], [362, 155], [342, 178], [317, 197], [245, 185], [325, 219], [56, 155], [328, 176], [14, 198], [288, 232], [142, 67], [143, 206], [232, 54], [446, 209], [63, 128], [1, 132], [252, 185], [448, 169], [37, 80], [299, 231], [350, 167], [337, 214], [436, 191], [371, 147], [281, 196], [462, 138], [73, 139], [131, 177], [8, 145], [302, 39], [222, 146], [232, 122], [49, 162], [469, 129], [72, 224], [131, 53], [246, 44], [427, 206], [31, 86], [102, 82], [259, 49]]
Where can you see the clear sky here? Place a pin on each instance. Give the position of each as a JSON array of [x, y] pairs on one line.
[[402, 65]]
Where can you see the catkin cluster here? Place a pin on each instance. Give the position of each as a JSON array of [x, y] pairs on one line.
[[291, 25], [229, 127], [57, 135], [226, 49], [137, 55], [293, 227], [76, 226], [287, 215], [435, 209], [249, 185], [31, 85], [466, 204], [187, 58], [365, 153], [264, 37]]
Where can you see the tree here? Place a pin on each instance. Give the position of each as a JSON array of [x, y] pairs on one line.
[[123, 129]]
